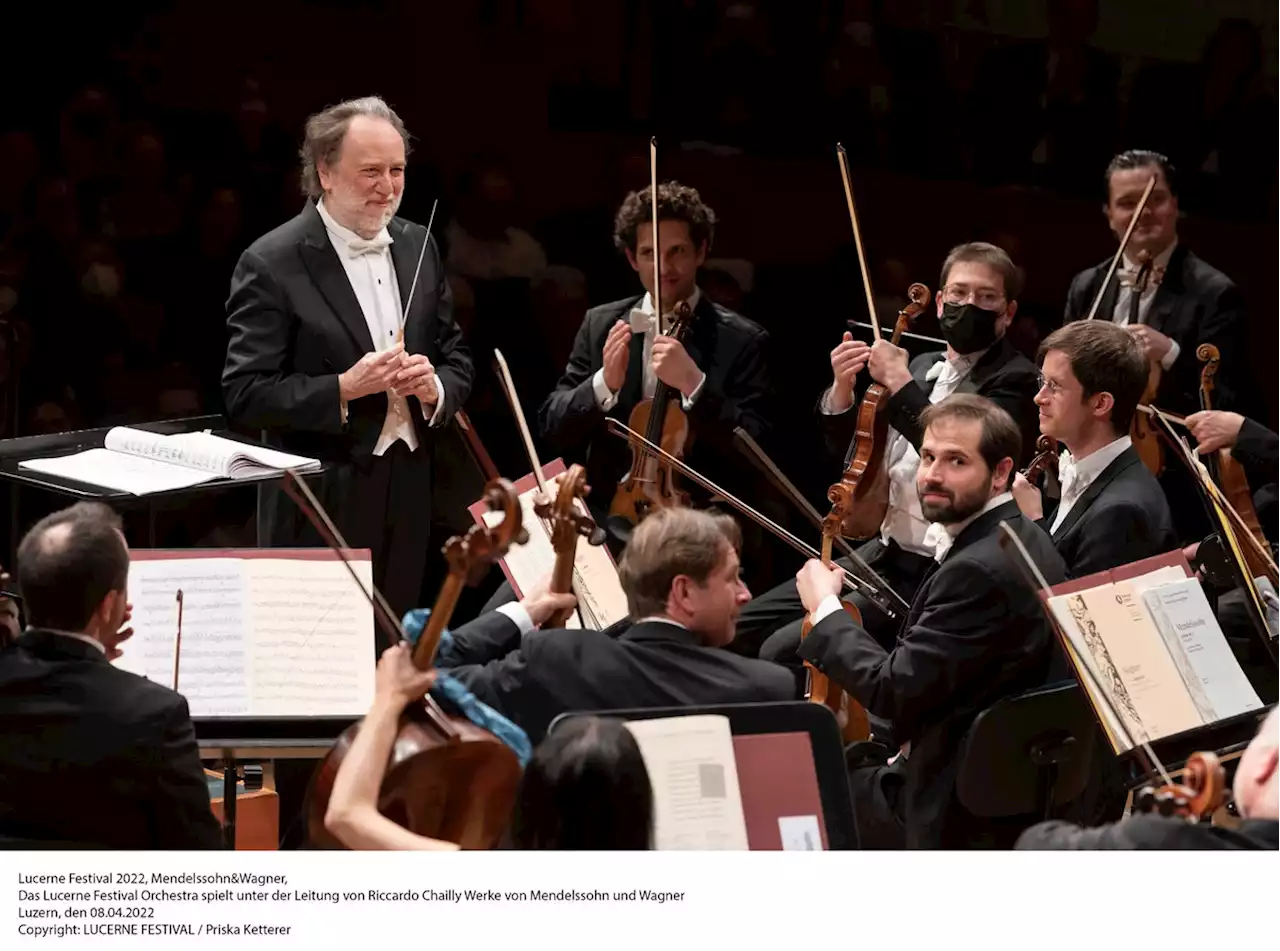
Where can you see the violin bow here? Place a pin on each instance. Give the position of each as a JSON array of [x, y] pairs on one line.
[[850, 579], [1115, 261], [1033, 575], [177, 644], [657, 246], [752, 450], [843, 158], [509, 387]]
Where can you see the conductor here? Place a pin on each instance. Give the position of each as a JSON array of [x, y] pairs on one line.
[[343, 346]]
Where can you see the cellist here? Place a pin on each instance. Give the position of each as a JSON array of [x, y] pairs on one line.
[[976, 302], [720, 371]]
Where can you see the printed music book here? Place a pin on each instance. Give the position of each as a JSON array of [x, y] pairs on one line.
[[1154, 645], [596, 583], [713, 790], [265, 632], [141, 463]]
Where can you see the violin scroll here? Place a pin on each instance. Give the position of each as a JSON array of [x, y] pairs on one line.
[[1201, 793], [469, 556], [917, 302], [566, 520], [1046, 457], [1207, 354]]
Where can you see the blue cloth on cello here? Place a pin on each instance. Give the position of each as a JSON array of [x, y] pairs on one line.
[[451, 693]]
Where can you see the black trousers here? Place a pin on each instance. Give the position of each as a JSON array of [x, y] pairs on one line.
[[769, 625]]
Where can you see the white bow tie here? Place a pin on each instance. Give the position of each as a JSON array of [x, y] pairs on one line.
[[935, 371], [1067, 473], [939, 539], [375, 245]]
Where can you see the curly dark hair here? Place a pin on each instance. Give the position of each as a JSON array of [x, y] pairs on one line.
[[675, 202]]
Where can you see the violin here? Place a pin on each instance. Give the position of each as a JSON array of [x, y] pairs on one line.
[[1201, 793], [447, 778], [866, 477], [647, 483], [1046, 457], [1146, 441], [1230, 474]]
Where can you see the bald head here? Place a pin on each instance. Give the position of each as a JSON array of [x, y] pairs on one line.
[[71, 564], [1255, 784]]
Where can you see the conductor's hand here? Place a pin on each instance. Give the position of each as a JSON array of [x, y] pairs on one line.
[[541, 603], [372, 373], [1214, 429], [617, 351], [815, 581], [417, 377], [847, 359], [398, 682]]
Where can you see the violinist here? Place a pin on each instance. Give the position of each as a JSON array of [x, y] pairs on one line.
[[585, 788], [1256, 448], [720, 370], [1112, 511], [1255, 788], [681, 576], [976, 303], [1185, 303], [974, 634]]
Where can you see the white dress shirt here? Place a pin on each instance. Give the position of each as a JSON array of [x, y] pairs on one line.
[[904, 523], [368, 265], [1076, 475], [1126, 276], [642, 322]]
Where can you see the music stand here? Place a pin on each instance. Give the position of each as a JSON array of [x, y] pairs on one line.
[[13, 452], [811, 720]]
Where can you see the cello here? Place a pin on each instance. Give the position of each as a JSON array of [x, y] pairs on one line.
[[448, 778], [648, 483]]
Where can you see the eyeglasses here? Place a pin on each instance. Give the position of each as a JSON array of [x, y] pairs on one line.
[[984, 298], [1046, 383]]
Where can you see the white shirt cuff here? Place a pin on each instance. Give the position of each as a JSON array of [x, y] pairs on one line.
[[827, 606], [825, 406], [605, 397], [434, 419], [687, 401], [1171, 356], [517, 613]]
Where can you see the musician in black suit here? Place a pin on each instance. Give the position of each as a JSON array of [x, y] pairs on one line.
[[93, 756], [976, 631], [720, 372], [680, 572], [976, 303], [323, 357], [1112, 510], [1256, 790]]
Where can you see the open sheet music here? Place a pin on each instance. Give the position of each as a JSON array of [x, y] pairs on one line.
[[265, 632], [596, 584], [141, 462], [1155, 647], [692, 767]]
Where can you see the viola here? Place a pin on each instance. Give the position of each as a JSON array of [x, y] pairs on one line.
[[1146, 441], [447, 778], [865, 480], [1201, 793], [1046, 457]]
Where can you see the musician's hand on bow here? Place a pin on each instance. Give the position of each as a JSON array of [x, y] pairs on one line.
[[398, 682], [888, 366], [1214, 429], [1028, 498], [1155, 345], [372, 373], [673, 365], [123, 634], [541, 603], [847, 360], [417, 377], [815, 581], [617, 352]]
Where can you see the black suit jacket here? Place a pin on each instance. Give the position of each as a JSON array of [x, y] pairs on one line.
[[1194, 304], [1143, 832], [95, 755], [1122, 517], [728, 348], [535, 678], [1002, 375], [976, 632]]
